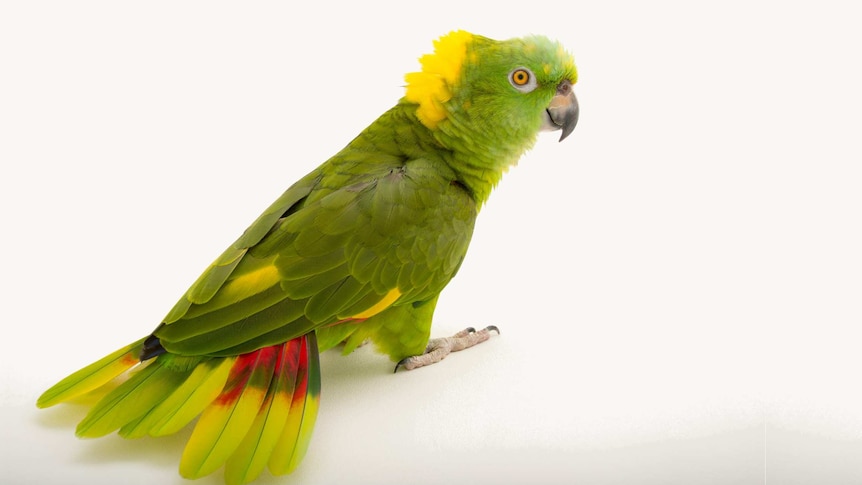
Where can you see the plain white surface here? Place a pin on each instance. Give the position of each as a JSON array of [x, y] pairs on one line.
[[677, 284]]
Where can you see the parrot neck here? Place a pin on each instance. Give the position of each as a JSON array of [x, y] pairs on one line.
[[477, 178], [479, 160]]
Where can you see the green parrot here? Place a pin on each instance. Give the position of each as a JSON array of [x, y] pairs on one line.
[[359, 249]]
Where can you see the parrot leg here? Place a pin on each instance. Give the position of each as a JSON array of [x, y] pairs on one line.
[[439, 348]]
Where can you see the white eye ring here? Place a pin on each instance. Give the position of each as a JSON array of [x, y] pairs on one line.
[[522, 79]]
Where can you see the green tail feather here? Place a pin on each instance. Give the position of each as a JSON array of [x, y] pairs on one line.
[[201, 387], [131, 399], [93, 376]]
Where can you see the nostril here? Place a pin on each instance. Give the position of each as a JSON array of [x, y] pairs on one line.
[[564, 87]]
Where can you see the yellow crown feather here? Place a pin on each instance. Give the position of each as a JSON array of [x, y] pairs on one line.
[[432, 86]]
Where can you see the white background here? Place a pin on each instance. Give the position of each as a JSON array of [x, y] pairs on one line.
[[677, 284]]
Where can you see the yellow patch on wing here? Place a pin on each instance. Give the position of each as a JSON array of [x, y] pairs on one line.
[[247, 285], [432, 86], [378, 307]]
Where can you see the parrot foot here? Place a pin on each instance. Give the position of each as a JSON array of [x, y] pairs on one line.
[[439, 348]]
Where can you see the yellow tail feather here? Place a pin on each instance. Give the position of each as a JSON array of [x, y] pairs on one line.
[[93, 376]]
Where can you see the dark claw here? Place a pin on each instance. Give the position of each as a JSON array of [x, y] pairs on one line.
[[493, 328], [400, 363]]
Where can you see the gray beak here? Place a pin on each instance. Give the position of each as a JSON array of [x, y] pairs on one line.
[[563, 110]]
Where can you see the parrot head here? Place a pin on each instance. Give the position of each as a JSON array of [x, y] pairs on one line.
[[495, 91]]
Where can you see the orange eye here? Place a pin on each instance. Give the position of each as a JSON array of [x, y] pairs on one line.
[[520, 77]]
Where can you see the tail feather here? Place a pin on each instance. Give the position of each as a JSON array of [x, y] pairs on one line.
[[130, 400], [225, 422], [253, 453], [201, 387], [263, 445], [256, 409], [296, 436], [93, 376]]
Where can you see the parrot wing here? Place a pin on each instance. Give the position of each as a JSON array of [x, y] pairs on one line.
[[322, 256]]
